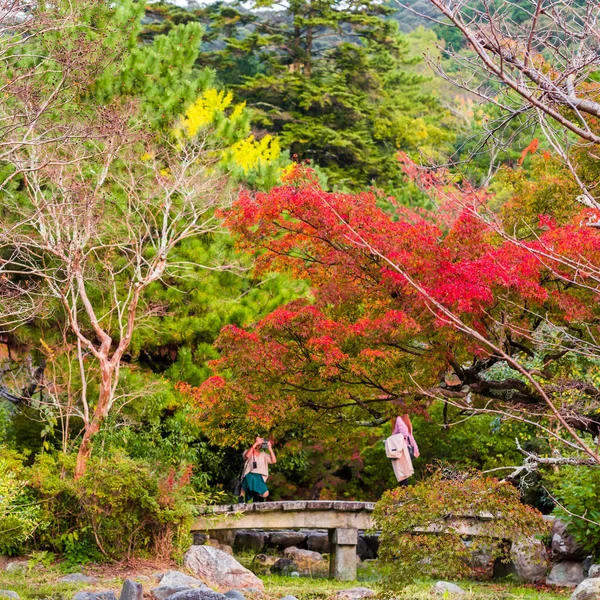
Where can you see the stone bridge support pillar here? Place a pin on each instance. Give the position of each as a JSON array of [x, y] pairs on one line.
[[342, 562]]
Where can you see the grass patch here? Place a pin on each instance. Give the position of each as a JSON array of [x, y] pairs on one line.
[[41, 583], [322, 589]]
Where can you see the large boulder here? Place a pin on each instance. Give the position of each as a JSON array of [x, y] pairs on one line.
[[248, 540], [177, 578], [564, 546], [587, 590], [355, 594], [286, 539], [530, 559], [318, 542], [218, 569], [566, 574], [309, 562]]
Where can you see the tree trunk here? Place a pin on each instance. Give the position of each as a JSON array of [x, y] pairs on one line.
[[92, 428], [85, 450]]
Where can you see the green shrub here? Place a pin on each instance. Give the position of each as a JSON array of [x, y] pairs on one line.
[[577, 489], [19, 516], [119, 509], [409, 550]]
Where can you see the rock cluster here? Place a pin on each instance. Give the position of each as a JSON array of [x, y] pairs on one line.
[[252, 540]]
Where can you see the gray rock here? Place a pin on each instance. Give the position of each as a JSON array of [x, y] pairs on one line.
[[362, 549], [318, 542], [530, 559], [131, 590], [309, 563], [372, 542], [164, 591], [235, 595], [216, 544], [199, 538], [106, 595], [355, 594], [265, 560], [480, 553], [77, 578], [157, 576], [262, 563], [289, 598], [588, 561], [17, 566], [9, 594], [177, 578], [294, 574], [564, 546], [254, 541], [283, 566], [198, 595], [594, 571], [587, 590], [219, 569], [444, 588], [224, 536], [285, 539], [141, 579], [566, 574]]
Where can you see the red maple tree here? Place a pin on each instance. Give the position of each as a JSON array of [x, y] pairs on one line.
[[407, 306]]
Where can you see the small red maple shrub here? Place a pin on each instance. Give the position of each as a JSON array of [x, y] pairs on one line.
[[432, 528]]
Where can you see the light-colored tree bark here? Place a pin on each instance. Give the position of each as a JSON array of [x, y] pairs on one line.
[[96, 225]]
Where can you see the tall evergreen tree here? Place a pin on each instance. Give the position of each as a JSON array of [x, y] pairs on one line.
[[333, 79]]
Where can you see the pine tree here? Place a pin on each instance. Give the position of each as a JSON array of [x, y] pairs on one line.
[[335, 81]]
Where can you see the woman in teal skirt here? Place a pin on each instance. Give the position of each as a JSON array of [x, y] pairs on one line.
[[256, 471]]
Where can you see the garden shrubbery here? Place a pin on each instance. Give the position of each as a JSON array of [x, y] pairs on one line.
[[121, 507], [406, 514], [577, 489], [20, 516]]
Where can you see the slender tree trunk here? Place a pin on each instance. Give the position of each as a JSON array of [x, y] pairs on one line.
[[92, 428]]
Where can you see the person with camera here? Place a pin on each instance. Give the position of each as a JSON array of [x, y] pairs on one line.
[[256, 470]]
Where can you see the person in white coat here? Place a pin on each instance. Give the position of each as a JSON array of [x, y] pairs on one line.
[[401, 447]]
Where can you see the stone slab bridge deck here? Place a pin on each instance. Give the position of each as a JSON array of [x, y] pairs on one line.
[[342, 519]]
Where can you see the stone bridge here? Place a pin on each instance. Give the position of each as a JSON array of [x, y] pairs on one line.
[[342, 519]]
